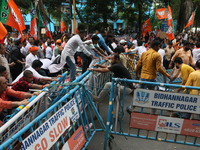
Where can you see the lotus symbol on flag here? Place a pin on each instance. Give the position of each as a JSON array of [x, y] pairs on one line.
[[142, 97], [15, 17], [170, 30], [161, 13]]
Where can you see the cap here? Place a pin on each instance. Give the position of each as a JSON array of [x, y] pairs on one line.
[[58, 41], [32, 49], [122, 41]]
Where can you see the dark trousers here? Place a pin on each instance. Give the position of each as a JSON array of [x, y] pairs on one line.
[[86, 61]]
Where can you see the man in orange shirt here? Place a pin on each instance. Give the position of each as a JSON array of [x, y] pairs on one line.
[[6, 102], [149, 64]]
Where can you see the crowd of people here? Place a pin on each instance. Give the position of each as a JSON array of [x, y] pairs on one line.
[[33, 63]]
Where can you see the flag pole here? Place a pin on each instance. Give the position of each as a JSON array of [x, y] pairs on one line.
[[74, 19]]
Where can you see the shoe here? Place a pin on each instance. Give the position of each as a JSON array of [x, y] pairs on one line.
[[129, 109]]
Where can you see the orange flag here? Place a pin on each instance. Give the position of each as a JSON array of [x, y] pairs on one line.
[[33, 29], [3, 31], [161, 13], [146, 27], [170, 33], [15, 18], [48, 33], [191, 20], [169, 16], [63, 27]]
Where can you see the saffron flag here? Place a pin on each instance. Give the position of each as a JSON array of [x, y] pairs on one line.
[[63, 27], [33, 25], [11, 15], [3, 31], [191, 20], [170, 33], [48, 33], [169, 16], [15, 18], [161, 13], [146, 27]]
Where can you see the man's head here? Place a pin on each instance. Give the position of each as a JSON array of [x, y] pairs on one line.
[[3, 72], [197, 65], [82, 34], [3, 84], [178, 62], [58, 42], [31, 40], [34, 50], [170, 44], [2, 49], [119, 49], [187, 46], [198, 45], [115, 59], [155, 45], [37, 64], [28, 76], [95, 39]]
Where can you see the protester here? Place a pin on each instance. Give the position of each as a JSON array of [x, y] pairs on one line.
[[184, 69], [119, 71], [149, 64], [28, 81], [194, 79], [31, 56]]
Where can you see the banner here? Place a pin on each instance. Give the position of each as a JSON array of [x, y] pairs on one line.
[[76, 141], [167, 101], [161, 13], [165, 124]]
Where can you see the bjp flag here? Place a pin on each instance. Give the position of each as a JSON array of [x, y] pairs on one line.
[[63, 27], [161, 13], [15, 18], [191, 20], [3, 31], [146, 27]]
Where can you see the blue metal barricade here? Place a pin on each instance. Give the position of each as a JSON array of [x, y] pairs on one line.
[[153, 114], [57, 127], [23, 115]]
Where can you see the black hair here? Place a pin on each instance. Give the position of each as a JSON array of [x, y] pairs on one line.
[[140, 42], [198, 44], [155, 43], [198, 64], [37, 64], [95, 38], [186, 43], [119, 49], [116, 56], [18, 42], [36, 42], [27, 72], [2, 69], [178, 60]]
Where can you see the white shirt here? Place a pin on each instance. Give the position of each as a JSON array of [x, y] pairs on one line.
[[162, 54], [29, 59], [28, 45], [196, 54], [139, 50], [71, 48], [35, 74], [49, 52], [88, 45]]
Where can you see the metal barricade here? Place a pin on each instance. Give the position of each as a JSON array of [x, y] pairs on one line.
[[25, 114], [155, 115], [67, 124]]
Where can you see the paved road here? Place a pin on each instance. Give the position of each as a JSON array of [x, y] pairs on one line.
[[129, 143]]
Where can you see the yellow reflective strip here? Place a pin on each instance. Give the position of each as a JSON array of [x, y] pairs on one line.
[[27, 107], [20, 107], [110, 103]]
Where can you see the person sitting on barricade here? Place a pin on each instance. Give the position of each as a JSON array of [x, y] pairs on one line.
[[28, 81], [5, 100], [149, 64], [119, 72], [184, 69]]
